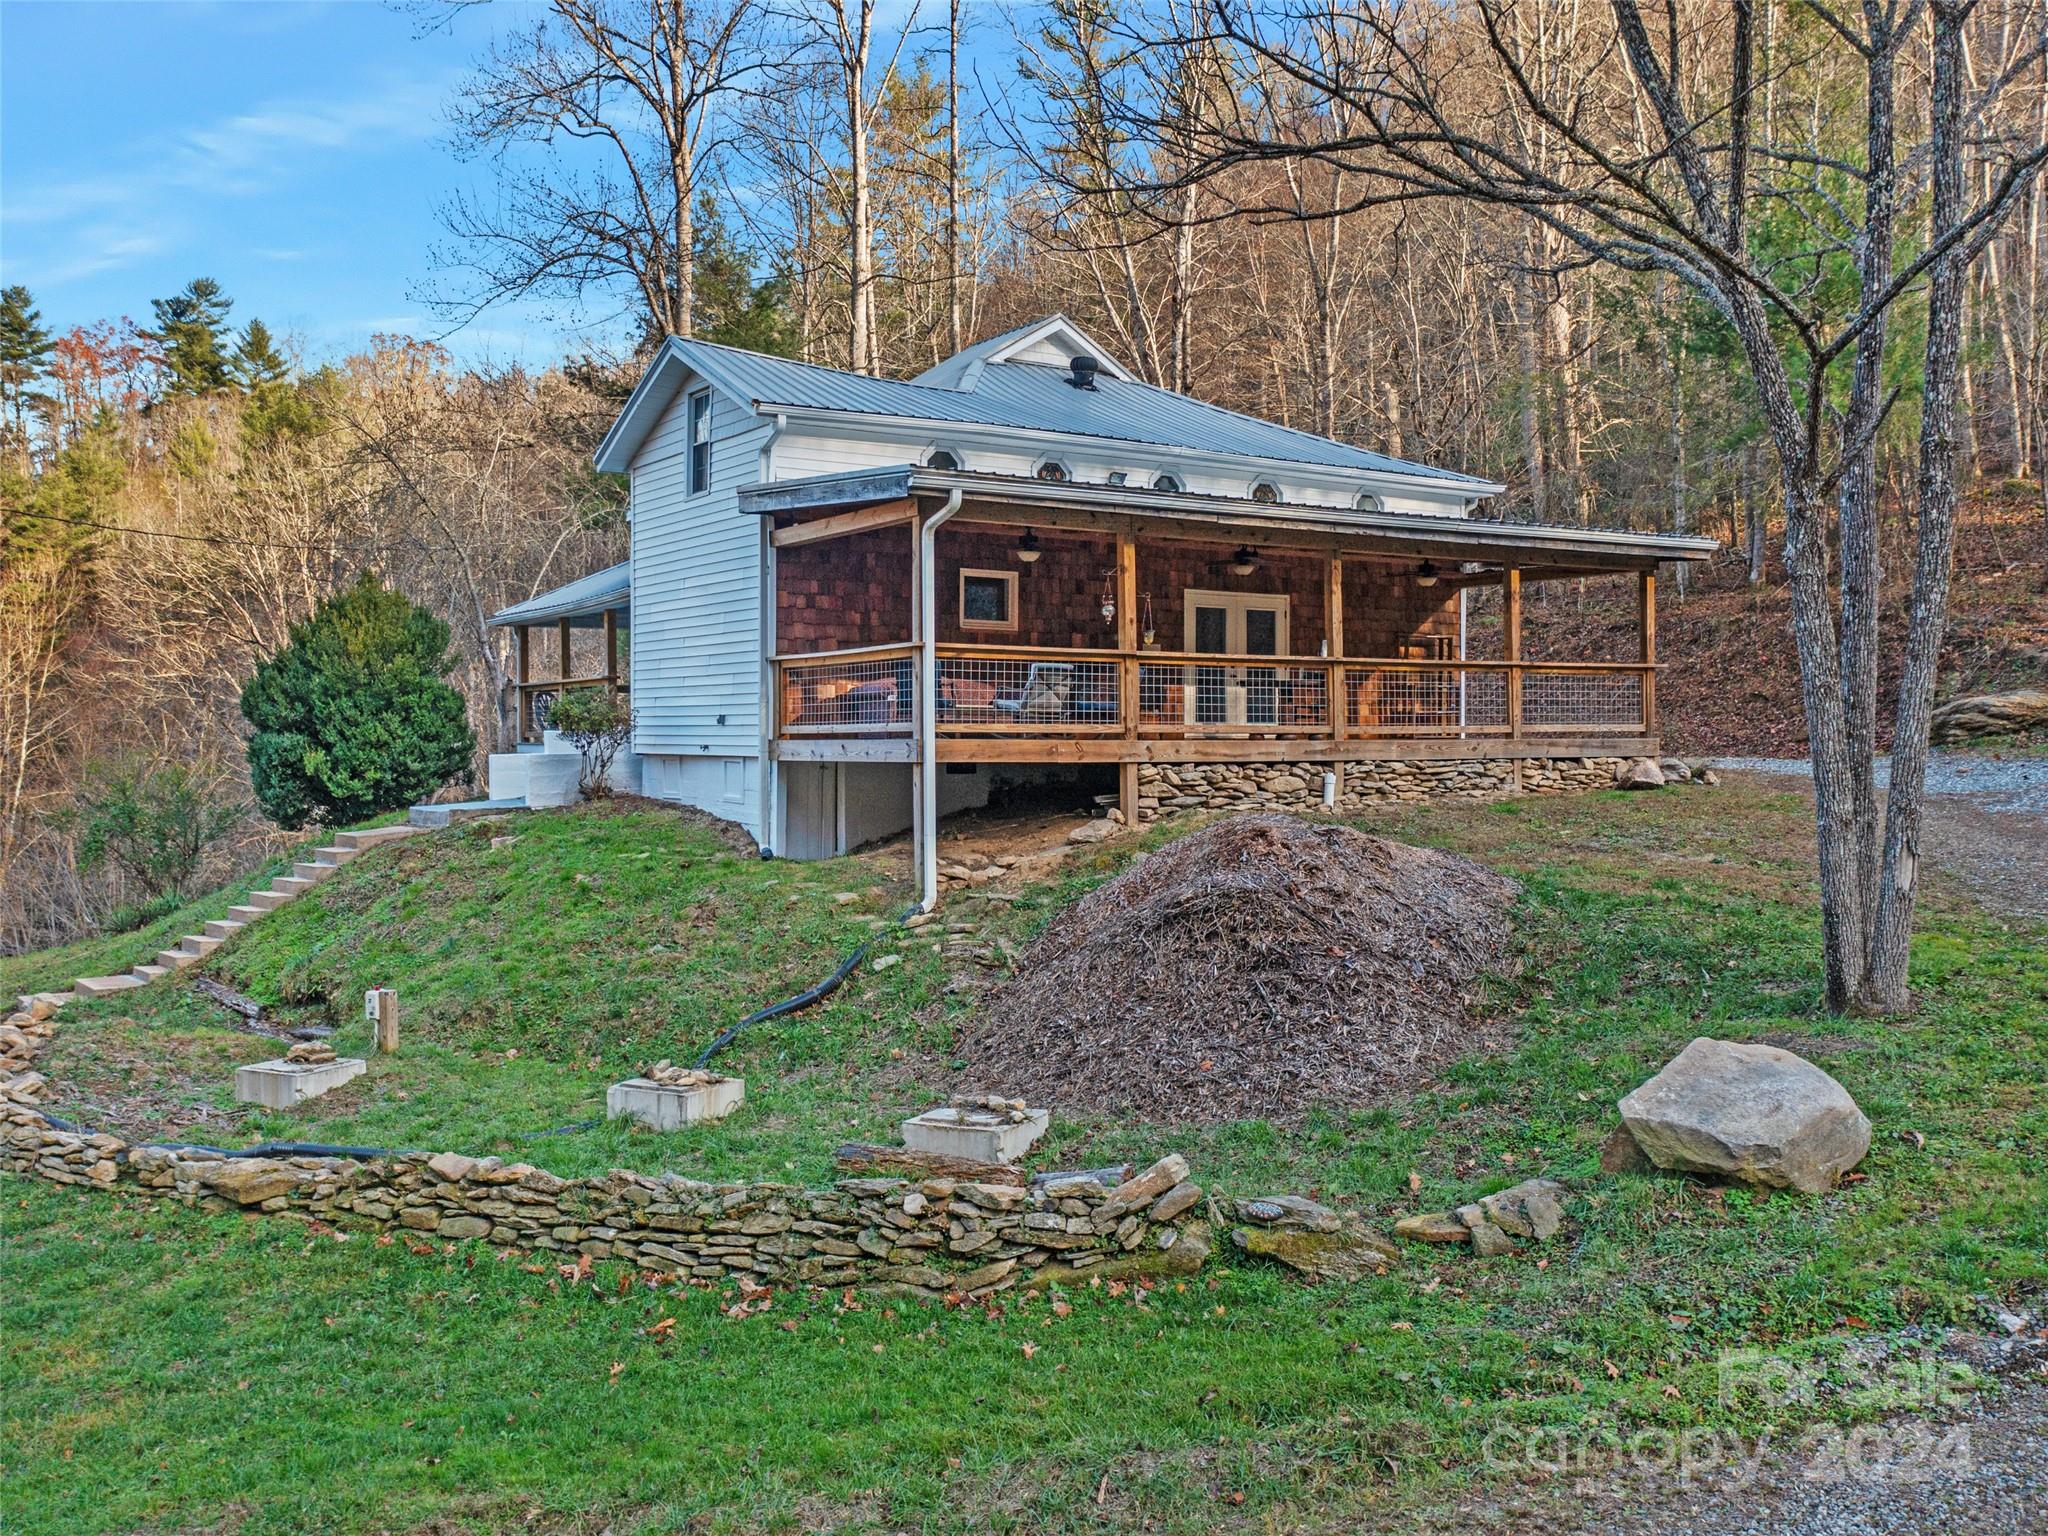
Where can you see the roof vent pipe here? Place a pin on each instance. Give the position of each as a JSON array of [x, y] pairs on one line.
[[1084, 369]]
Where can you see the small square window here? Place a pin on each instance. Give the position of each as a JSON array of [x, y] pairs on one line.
[[988, 600]]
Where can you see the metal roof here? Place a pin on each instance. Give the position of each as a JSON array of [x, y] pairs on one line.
[[1458, 537], [583, 602], [1020, 396]]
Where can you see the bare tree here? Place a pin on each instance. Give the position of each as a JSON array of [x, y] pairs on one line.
[[633, 101], [1659, 167]]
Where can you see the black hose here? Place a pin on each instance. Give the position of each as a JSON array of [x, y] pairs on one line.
[[810, 995], [261, 1149]]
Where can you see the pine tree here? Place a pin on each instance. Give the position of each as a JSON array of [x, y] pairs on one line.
[[353, 717], [192, 329], [25, 349], [730, 307], [257, 361]]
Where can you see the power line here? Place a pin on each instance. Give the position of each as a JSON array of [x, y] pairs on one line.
[[223, 539]]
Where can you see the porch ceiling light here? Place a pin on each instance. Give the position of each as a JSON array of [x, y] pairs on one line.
[[1027, 548], [1426, 575], [1244, 561]]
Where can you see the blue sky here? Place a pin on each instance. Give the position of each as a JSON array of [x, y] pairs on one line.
[[293, 152]]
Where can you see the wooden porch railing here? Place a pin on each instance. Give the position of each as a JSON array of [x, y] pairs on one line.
[[535, 697], [1029, 692]]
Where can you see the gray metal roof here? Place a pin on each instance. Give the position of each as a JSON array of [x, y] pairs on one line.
[[1033, 397], [1469, 538], [583, 602]]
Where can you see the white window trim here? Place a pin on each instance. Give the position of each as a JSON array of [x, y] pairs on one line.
[[1009, 581], [1064, 463], [1179, 480], [932, 450], [690, 445], [1368, 501], [1251, 492], [1236, 603]]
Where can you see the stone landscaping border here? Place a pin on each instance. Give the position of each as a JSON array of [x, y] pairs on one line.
[[929, 1238], [1164, 788]]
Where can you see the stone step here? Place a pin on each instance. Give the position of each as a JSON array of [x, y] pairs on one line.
[[102, 986], [270, 901], [245, 915], [177, 959], [313, 874], [358, 841], [335, 855], [223, 928], [23, 1003], [289, 886], [151, 973], [201, 943]]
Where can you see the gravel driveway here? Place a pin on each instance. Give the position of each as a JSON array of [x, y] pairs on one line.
[[1986, 822]]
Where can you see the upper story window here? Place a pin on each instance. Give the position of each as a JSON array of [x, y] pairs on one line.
[[1168, 483], [1367, 502], [942, 458], [1053, 469], [1265, 491], [700, 442], [1117, 477]]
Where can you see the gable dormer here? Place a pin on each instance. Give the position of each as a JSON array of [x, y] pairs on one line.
[[1053, 342]]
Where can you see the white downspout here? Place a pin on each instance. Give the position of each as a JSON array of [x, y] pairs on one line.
[[928, 703]]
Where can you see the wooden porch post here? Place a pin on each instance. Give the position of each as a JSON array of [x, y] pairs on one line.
[[1646, 621], [525, 633], [611, 648], [1333, 646], [1511, 643], [564, 673], [1127, 669]]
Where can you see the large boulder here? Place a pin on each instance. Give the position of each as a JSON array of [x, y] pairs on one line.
[[1991, 714], [1639, 773], [1749, 1112]]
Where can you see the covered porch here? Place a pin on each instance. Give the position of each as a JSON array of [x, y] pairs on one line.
[[598, 607]]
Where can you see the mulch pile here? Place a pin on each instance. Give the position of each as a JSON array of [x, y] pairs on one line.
[[1254, 968]]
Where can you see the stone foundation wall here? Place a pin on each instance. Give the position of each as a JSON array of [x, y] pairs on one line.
[[1164, 788], [927, 1238]]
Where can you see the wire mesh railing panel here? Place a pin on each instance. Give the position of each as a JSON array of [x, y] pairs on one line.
[[1025, 692], [1425, 701], [823, 695], [1233, 697], [1580, 699]]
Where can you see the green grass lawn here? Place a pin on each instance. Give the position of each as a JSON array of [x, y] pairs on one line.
[[167, 1370]]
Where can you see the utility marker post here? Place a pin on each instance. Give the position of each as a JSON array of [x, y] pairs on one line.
[[380, 1006]]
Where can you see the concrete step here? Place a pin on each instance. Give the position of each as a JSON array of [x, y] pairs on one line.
[[150, 973], [335, 855], [245, 915], [177, 959], [314, 872], [358, 841], [103, 986], [426, 818], [270, 901], [201, 943], [224, 928], [289, 886]]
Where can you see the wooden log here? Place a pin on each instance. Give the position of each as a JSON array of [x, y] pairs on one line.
[[229, 998], [866, 1159]]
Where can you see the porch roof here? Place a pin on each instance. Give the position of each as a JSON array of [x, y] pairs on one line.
[[583, 602], [1399, 533]]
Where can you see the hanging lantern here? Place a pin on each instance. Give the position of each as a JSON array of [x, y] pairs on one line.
[[1426, 576], [1028, 550], [1150, 635], [1109, 597], [1244, 561]]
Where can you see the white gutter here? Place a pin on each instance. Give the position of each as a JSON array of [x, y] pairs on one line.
[[928, 703]]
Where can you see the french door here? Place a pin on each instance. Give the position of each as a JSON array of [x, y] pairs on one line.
[[1235, 624]]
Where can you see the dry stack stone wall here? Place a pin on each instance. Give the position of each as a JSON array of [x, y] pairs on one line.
[[1164, 788], [928, 1238]]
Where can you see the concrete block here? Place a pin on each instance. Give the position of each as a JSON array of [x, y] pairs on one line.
[[280, 1084], [176, 959], [551, 778], [201, 944], [101, 986], [507, 777], [270, 901], [662, 1108], [315, 872], [358, 841], [289, 886], [222, 928], [247, 914], [151, 973], [981, 1134], [335, 855]]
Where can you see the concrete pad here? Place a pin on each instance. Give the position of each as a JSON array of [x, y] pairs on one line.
[[280, 1084], [431, 817], [980, 1134], [662, 1108], [102, 986]]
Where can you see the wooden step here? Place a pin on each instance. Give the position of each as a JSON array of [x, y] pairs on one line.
[[102, 986], [313, 874], [223, 928], [358, 841], [270, 901], [177, 959], [245, 915], [150, 973]]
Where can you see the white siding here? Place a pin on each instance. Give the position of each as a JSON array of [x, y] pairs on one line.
[[697, 642]]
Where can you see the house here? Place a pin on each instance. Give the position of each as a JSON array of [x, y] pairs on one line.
[[855, 604]]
